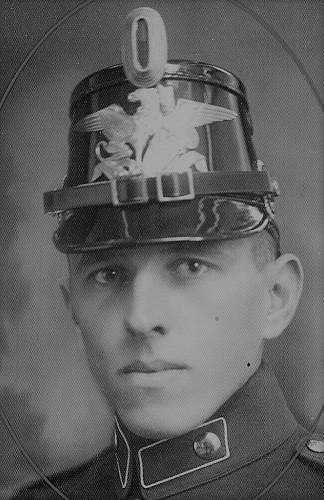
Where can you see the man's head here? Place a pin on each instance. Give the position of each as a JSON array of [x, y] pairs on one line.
[[175, 273], [172, 331]]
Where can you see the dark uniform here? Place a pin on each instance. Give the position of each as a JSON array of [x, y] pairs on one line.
[[245, 446], [162, 152]]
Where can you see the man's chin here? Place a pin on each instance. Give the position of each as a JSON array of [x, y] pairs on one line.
[[160, 422]]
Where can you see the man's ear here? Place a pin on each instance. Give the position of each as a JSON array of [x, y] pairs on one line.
[[285, 281], [65, 290]]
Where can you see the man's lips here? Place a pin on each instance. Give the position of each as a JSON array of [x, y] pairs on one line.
[[157, 365]]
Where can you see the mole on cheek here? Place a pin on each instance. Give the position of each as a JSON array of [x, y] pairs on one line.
[[216, 318]]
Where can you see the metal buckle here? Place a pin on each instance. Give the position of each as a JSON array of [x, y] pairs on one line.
[[188, 196], [136, 182]]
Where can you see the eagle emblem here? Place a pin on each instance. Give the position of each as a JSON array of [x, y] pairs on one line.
[[159, 138]]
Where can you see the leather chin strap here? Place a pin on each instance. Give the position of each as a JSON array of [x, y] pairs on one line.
[[172, 187]]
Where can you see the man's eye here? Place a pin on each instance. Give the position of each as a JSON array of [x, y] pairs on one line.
[[188, 268], [109, 275]]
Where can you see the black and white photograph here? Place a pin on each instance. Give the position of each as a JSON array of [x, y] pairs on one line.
[[162, 250]]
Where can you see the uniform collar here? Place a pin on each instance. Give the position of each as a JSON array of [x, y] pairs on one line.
[[253, 422]]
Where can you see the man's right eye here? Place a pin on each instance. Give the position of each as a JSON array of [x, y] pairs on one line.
[[110, 275]]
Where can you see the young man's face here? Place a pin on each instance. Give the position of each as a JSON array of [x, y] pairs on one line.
[[171, 331]]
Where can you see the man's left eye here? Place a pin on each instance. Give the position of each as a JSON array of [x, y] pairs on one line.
[[188, 268]]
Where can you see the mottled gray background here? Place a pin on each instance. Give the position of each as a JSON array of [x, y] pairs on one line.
[[45, 387]]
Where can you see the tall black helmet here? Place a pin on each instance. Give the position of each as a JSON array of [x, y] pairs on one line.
[[159, 152]]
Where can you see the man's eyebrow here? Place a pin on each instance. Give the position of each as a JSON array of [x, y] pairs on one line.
[[204, 248], [89, 258]]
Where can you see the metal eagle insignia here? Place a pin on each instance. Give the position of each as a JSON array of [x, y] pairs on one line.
[[159, 138]]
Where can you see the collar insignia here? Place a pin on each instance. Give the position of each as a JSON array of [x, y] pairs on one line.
[[178, 457], [169, 463]]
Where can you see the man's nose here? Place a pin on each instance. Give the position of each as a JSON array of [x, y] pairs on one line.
[[146, 311]]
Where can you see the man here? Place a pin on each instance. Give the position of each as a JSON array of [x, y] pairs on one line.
[[175, 281]]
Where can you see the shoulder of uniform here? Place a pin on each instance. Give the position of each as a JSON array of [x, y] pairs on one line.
[[71, 479], [312, 449]]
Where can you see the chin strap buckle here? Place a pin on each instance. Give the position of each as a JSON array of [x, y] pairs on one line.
[[175, 186]]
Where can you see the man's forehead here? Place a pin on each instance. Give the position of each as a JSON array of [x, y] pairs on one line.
[[226, 248]]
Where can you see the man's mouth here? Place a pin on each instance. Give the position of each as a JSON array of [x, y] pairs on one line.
[[154, 366]]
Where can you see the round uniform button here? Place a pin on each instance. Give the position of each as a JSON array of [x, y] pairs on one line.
[[316, 445], [206, 445]]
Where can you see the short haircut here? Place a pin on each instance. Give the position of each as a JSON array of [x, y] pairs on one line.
[[264, 249]]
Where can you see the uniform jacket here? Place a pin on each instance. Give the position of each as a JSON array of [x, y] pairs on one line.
[[250, 442]]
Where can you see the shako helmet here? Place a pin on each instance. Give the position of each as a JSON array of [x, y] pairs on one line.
[[160, 151]]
